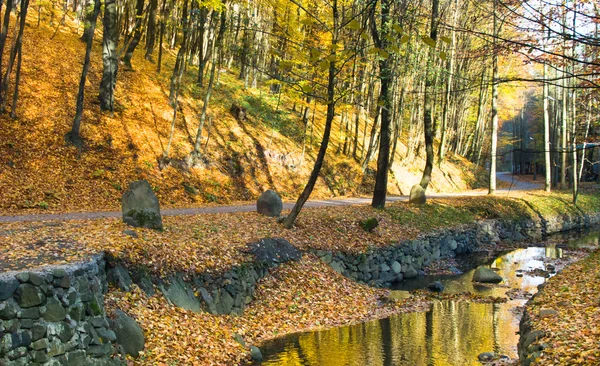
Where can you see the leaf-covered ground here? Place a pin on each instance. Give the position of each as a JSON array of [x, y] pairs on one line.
[[573, 334], [218, 241]]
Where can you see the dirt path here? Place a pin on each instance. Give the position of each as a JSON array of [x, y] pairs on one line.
[[517, 184]]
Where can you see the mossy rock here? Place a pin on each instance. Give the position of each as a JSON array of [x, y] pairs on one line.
[[369, 224]]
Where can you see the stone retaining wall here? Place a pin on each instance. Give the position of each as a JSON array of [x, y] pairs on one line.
[[56, 316], [384, 266]]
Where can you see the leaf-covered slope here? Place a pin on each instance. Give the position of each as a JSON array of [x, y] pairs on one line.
[[38, 170]]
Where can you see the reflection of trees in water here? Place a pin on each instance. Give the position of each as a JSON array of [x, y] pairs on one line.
[[450, 333]]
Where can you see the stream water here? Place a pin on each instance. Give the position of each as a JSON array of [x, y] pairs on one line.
[[449, 333]]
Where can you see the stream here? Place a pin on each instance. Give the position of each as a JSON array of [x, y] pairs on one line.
[[450, 332]]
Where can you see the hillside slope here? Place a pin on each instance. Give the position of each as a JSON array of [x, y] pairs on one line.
[[38, 170]]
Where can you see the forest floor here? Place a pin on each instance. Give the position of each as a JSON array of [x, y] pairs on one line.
[[573, 332], [294, 297]]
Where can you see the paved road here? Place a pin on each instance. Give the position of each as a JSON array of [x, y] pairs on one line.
[[517, 185]]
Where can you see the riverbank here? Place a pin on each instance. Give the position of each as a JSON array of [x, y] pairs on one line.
[[561, 325], [297, 296]]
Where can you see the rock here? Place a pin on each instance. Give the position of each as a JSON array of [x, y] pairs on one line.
[[225, 304], [55, 312], [38, 331], [384, 267], [275, 250], [8, 286], [74, 358], [547, 313], [369, 224], [551, 268], [417, 195], [208, 300], [59, 273], [337, 266], [327, 258], [238, 112], [486, 275], [62, 330], [129, 334], [269, 204], [8, 310], [396, 267], [28, 296], [119, 276], [486, 356], [453, 244], [107, 335], [131, 233], [410, 272], [255, 354], [386, 277], [238, 338], [182, 296], [455, 270], [140, 206], [22, 277], [436, 286], [40, 344]]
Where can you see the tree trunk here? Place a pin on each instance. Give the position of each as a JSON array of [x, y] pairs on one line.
[[548, 175], [494, 143], [3, 35], [14, 52], [314, 175], [109, 57], [151, 33], [137, 35], [87, 22], [218, 44], [163, 16], [429, 96], [441, 152], [180, 60], [383, 159], [74, 136], [201, 60]]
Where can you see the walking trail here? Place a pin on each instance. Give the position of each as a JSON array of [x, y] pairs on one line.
[[516, 184]]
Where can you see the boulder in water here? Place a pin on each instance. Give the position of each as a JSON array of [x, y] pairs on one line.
[[486, 357], [486, 275], [436, 286]]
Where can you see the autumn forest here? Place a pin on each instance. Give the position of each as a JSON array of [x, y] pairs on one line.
[[191, 181]]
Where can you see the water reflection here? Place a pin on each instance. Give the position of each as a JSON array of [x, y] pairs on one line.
[[507, 266], [450, 333]]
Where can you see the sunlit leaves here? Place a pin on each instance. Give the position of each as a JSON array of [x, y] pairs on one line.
[[428, 41], [354, 25]]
